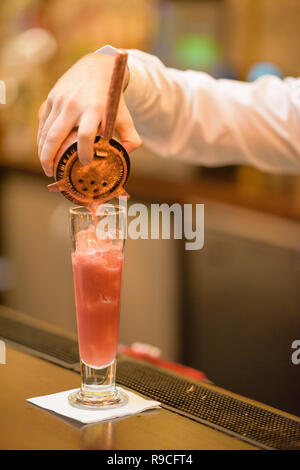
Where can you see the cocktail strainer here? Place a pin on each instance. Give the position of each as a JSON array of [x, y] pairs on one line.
[[104, 178]]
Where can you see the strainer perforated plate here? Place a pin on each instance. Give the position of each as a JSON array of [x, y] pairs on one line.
[[102, 180]]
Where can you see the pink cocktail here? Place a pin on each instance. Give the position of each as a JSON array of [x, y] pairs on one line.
[[97, 260], [97, 281]]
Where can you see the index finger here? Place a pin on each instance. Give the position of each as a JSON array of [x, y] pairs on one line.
[[43, 113], [56, 135]]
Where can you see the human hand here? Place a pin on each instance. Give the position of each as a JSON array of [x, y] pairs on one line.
[[77, 102]]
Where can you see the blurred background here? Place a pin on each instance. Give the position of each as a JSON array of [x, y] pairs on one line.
[[231, 309]]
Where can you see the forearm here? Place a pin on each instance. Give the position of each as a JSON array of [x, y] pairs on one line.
[[190, 115]]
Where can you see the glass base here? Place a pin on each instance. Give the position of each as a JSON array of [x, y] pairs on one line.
[[82, 399], [98, 389]]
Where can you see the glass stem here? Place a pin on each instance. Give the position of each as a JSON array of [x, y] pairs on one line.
[[98, 380]]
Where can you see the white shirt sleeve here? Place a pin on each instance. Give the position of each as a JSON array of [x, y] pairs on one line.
[[194, 117]]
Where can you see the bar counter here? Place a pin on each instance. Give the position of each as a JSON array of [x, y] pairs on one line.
[[24, 426]]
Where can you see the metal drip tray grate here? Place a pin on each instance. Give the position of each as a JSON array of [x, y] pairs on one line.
[[260, 427], [251, 423], [36, 339]]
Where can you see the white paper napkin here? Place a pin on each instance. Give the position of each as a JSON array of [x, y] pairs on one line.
[[58, 402]]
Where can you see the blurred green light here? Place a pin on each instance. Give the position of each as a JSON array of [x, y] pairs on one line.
[[197, 51]]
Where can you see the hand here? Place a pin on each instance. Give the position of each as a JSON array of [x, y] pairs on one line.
[[77, 101]]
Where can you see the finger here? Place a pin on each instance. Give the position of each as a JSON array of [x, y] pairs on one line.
[[56, 135], [41, 109], [43, 114], [52, 116], [68, 141], [126, 130], [87, 131]]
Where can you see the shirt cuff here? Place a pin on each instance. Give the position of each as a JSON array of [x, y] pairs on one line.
[[107, 50]]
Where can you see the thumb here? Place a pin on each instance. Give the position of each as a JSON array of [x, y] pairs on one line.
[[127, 131]]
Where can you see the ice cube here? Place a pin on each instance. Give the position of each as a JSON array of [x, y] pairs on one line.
[[86, 241], [105, 244], [114, 238], [100, 241]]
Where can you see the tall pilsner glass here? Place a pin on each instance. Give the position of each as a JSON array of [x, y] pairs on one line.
[[97, 260]]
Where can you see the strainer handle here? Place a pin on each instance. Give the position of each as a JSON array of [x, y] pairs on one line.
[[114, 93]]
